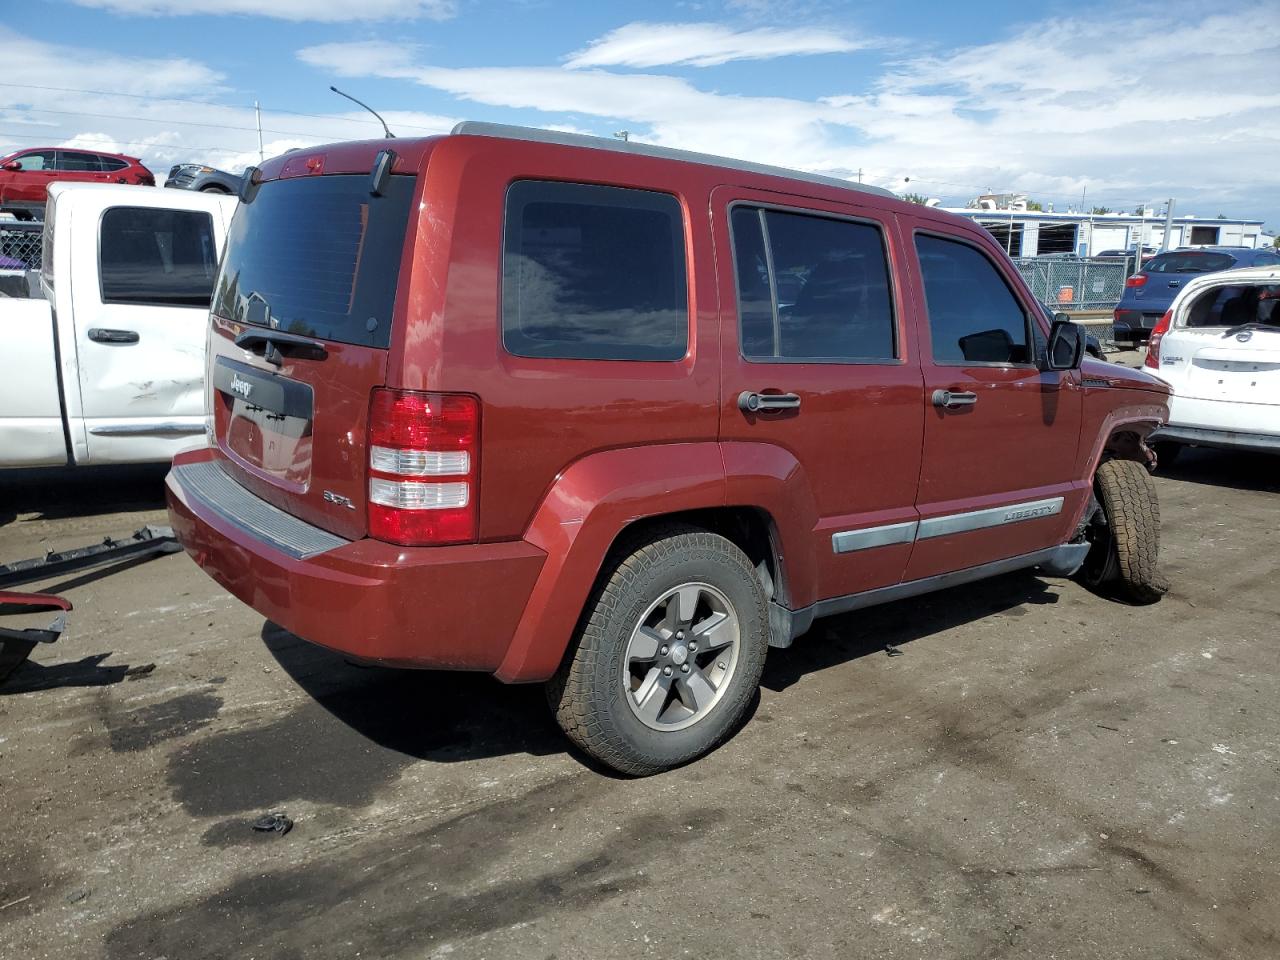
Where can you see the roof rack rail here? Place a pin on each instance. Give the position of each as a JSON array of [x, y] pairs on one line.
[[504, 131]]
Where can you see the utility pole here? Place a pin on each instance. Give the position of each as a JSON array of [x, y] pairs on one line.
[[859, 174], [1168, 227], [257, 112]]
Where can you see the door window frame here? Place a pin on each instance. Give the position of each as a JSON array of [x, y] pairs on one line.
[[895, 298], [1028, 316]]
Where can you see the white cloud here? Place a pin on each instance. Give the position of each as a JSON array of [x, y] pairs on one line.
[[1133, 115], [141, 117], [704, 45], [322, 11]]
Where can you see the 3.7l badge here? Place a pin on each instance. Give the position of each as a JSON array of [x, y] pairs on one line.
[[339, 499]]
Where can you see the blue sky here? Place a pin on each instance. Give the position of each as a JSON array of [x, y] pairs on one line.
[[1129, 103]]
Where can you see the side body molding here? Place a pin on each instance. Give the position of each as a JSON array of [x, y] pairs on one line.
[[577, 521]]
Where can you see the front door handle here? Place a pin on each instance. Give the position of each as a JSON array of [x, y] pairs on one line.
[[749, 401], [953, 399], [104, 335]]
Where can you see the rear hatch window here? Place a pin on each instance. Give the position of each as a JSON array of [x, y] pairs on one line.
[[317, 256], [1190, 262]]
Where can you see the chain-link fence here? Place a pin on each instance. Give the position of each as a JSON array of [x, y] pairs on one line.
[[20, 244], [1075, 284]]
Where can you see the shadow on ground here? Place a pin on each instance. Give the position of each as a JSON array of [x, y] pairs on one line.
[[54, 493], [1239, 470]]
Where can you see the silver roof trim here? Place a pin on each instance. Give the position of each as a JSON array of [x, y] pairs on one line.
[[504, 131]]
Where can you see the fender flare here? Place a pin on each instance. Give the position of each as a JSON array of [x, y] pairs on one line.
[[1142, 417], [577, 522]]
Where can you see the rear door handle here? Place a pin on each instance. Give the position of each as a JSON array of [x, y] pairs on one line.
[[749, 401], [105, 335], [952, 399]]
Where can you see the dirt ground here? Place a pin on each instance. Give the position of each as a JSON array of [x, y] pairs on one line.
[[1042, 773]]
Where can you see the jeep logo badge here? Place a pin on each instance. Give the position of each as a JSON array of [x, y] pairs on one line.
[[242, 387]]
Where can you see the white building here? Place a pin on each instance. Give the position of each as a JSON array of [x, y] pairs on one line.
[[1030, 233]]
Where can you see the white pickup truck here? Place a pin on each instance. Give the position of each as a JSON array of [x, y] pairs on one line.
[[109, 367]]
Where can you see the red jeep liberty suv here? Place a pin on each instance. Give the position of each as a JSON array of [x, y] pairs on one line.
[[620, 418]]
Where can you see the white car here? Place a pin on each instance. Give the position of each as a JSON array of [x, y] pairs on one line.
[[1219, 348]]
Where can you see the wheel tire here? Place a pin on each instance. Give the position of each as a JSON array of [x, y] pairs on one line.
[[221, 190], [1125, 533], [1167, 453], [589, 695]]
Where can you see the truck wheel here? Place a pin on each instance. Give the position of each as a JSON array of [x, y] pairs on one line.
[[668, 654], [1124, 531]]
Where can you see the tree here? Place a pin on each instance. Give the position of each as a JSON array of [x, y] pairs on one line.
[[1035, 205], [1139, 210], [1097, 211], [915, 198], [1222, 216], [1275, 241]]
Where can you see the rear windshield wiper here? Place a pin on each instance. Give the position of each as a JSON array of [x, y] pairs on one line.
[[1253, 325], [276, 343]]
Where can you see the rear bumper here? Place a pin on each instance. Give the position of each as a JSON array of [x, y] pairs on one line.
[[1134, 325], [441, 607]]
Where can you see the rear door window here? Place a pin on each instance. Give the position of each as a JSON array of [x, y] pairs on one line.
[[72, 162], [111, 164], [317, 256], [811, 287], [147, 255], [593, 273], [973, 315]]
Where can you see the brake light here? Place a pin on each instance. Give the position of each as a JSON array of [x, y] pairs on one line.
[[423, 467], [1137, 280], [1153, 345]]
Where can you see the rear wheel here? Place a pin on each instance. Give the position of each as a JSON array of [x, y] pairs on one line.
[[668, 656], [1124, 531], [214, 189]]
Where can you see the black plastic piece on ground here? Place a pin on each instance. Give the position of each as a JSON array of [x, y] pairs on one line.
[[143, 542], [273, 823]]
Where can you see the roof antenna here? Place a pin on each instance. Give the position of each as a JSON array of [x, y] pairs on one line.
[[390, 135]]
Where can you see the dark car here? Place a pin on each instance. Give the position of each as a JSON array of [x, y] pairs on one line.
[[25, 176], [195, 176], [1150, 292], [538, 405]]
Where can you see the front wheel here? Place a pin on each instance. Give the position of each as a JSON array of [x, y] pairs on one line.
[[1124, 533], [668, 656]]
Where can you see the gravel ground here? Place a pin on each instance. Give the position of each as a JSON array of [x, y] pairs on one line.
[[1042, 774]]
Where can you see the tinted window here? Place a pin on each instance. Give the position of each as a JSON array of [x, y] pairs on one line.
[[1188, 263], [154, 256], [593, 273], [111, 163], [41, 160], [317, 256], [829, 298], [973, 315], [69, 160], [1266, 260]]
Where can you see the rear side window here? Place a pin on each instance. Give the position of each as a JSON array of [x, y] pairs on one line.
[[811, 287], [593, 273], [317, 256], [160, 257], [973, 315], [1188, 263], [110, 164]]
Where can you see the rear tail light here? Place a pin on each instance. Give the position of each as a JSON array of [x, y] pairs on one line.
[[423, 451], [1153, 346], [1137, 280]]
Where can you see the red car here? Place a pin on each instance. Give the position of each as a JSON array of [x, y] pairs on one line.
[[620, 418], [25, 176]]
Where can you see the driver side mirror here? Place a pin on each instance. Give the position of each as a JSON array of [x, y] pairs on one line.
[[13, 165], [1066, 346]]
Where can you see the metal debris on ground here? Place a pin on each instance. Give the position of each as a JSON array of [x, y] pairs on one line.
[[273, 823], [891, 650]]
